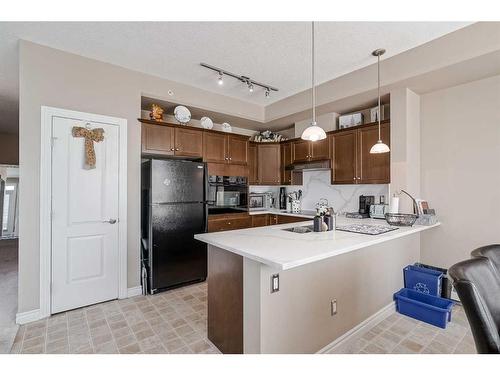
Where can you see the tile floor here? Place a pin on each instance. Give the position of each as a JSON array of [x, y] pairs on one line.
[[175, 322], [170, 322], [401, 334]]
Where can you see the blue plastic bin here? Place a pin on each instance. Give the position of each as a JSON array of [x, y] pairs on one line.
[[424, 307], [423, 280]]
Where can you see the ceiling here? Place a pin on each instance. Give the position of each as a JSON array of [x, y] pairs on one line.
[[275, 53]]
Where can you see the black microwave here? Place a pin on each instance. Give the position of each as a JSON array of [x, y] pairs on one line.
[[227, 194]]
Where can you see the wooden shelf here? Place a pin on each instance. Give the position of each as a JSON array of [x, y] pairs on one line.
[[170, 124]]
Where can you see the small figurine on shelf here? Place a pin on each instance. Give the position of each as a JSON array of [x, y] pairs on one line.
[[156, 112]]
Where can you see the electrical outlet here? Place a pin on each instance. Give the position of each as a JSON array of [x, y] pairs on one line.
[[275, 283], [333, 307]]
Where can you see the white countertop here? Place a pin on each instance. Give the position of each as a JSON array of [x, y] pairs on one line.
[[284, 250], [307, 214]]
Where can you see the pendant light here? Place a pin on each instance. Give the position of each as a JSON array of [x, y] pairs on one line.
[[313, 132], [379, 147]]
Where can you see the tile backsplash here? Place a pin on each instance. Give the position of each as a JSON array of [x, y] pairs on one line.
[[316, 185]]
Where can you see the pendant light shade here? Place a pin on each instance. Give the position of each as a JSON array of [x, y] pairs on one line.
[[379, 147], [313, 132]]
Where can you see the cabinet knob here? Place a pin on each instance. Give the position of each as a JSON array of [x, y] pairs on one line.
[[171, 149], [229, 222], [230, 158]]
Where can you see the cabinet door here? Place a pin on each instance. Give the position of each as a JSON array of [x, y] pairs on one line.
[[237, 149], [188, 142], [285, 219], [319, 149], [344, 157], [269, 164], [373, 168], [301, 151], [157, 139], [259, 220], [214, 147], [272, 219], [253, 166], [286, 159]]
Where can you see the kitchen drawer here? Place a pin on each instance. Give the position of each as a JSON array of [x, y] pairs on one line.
[[285, 219], [228, 223]]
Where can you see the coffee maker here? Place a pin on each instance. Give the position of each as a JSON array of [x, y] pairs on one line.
[[365, 201]]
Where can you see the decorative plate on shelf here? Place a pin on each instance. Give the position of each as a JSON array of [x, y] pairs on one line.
[[207, 122], [226, 127], [182, 114]]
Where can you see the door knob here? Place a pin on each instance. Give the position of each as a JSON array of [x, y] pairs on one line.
[[111, 221]]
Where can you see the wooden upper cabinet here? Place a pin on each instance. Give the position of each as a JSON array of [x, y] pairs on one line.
[[286, 159], [269, 157], [352, 161], [237, 150], [188, 142], [157, 139], [344, 155], [319, 150], [253, 165], [214, 147], [301, 151], [373, 168]]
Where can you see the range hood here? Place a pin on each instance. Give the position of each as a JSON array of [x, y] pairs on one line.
[[318, 165]]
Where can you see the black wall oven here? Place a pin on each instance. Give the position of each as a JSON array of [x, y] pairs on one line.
[[227, 194]]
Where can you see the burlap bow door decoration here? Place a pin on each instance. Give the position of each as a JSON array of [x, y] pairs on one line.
[[91, 136]]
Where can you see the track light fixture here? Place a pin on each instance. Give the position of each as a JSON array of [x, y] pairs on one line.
[[244, 79]]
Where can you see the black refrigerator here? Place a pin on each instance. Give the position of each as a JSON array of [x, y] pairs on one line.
[[173, 211]]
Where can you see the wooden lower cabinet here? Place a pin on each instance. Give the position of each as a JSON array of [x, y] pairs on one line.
[[285, 219], [259, 220], [219, 223], [225, 300]]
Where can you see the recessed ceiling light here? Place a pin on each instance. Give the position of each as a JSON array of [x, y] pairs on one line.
[[170, 92]]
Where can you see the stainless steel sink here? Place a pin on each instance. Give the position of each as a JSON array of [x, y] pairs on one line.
[[302, 229]]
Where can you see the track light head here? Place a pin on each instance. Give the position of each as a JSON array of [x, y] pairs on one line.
[[250, 86], [268, 92], [220, 80]]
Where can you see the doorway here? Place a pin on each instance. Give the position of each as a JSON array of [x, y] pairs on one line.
[[9, 183], [83, 208]]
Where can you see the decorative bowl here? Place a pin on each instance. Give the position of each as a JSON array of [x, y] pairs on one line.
[[401, 220], [182, 114]]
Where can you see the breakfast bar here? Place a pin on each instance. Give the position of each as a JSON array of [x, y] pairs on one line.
[[275, 290]]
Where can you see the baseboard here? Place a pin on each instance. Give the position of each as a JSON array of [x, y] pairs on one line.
[[135, 291], [361, 328], [28, 316]]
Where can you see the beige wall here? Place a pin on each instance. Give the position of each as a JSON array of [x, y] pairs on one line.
[[460, 172], [297, 318], [54, 78], [405, 146], [9, 148]]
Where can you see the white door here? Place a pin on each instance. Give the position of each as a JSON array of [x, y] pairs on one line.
[[85, 206]]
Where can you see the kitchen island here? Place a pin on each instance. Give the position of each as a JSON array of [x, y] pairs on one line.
[[328, 283]]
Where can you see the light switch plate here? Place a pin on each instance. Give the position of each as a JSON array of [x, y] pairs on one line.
[[275, 283]]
